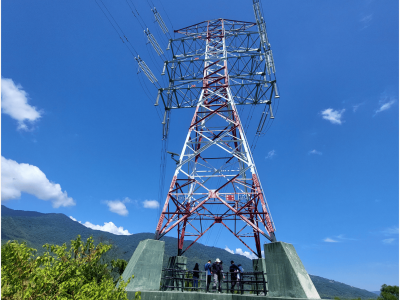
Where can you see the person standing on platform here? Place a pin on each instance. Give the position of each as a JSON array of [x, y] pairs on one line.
[[233, 269], [220, 276], [196, 276], [207, 268], [240, 277], [216, 270]]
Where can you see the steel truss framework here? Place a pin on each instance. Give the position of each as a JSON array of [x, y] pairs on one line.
[[216, 181]]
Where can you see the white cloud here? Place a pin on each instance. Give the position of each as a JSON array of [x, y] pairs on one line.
[[73, 219], [329, 240], [385, 105], [151, 204], [315, 152], [229, 250], [394, 230], [14, 102], [117, 206], [248, 254], [270, 154], [24, 178], [334, 116], [107, 227], [356, 106], [342, 237], [388, 241]]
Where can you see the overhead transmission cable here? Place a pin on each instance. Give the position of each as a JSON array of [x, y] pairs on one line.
[[149, 74], [129, 46], [150, 37], [264, 125], [164, 143]]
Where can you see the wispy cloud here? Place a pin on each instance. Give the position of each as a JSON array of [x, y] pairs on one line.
[[118, 206], [107, 227], [394, 230], [17, 178], [14, 102], [365, 21], [329, 240], [388, 241], [342, 237], [248, 254], [152, 204], [315, 152], [333, 116], [384, 104], [356, 106], [270, 154], [229, 250]]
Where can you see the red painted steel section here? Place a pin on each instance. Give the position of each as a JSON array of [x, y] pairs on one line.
[[242, 204]]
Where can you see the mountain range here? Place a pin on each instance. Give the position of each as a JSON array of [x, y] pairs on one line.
[[37, 229]]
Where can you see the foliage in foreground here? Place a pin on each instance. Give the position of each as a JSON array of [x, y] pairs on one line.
[[75, 272], [389, 292]]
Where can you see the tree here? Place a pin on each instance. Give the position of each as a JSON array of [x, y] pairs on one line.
[[61, 273], [389, 292]]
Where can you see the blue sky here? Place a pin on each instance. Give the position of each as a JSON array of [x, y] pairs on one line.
[[80, 136]]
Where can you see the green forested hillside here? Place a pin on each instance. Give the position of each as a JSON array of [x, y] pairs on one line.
[[38, 229]]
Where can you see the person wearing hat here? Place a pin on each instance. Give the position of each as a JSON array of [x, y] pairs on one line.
[[216, 271]]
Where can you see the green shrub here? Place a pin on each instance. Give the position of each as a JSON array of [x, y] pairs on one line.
[[389, 292], [62, 272]]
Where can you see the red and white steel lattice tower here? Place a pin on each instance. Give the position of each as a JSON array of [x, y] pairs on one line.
[[216, 66]]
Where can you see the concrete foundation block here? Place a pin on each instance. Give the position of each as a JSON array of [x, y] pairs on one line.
[[146, 265], [176, 263], [286, 274], [259, 266]]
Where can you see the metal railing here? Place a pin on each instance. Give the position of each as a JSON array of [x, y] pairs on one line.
[[240, 283]]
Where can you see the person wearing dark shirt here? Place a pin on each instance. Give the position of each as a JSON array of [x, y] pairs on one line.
[[196, 276], [216, 271], [233, 269], [207, 268]]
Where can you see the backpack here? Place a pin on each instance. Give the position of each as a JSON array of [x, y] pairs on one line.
[[215, 268], [233, 268]]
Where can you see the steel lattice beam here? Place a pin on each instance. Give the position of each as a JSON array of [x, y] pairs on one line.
[[216, 66]]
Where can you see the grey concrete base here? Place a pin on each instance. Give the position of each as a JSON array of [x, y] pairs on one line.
[[259, 266], [286, 274], [176, 263], [146, 265], [153, 295]]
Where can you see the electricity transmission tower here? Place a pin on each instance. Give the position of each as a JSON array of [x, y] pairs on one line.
[[216, 66]]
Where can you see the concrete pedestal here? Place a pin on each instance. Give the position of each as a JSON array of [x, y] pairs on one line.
[[176, 263], [259, 266], [146, 265], [286, 274]]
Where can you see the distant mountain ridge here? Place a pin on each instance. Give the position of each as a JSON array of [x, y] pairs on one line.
[[38, 229]]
